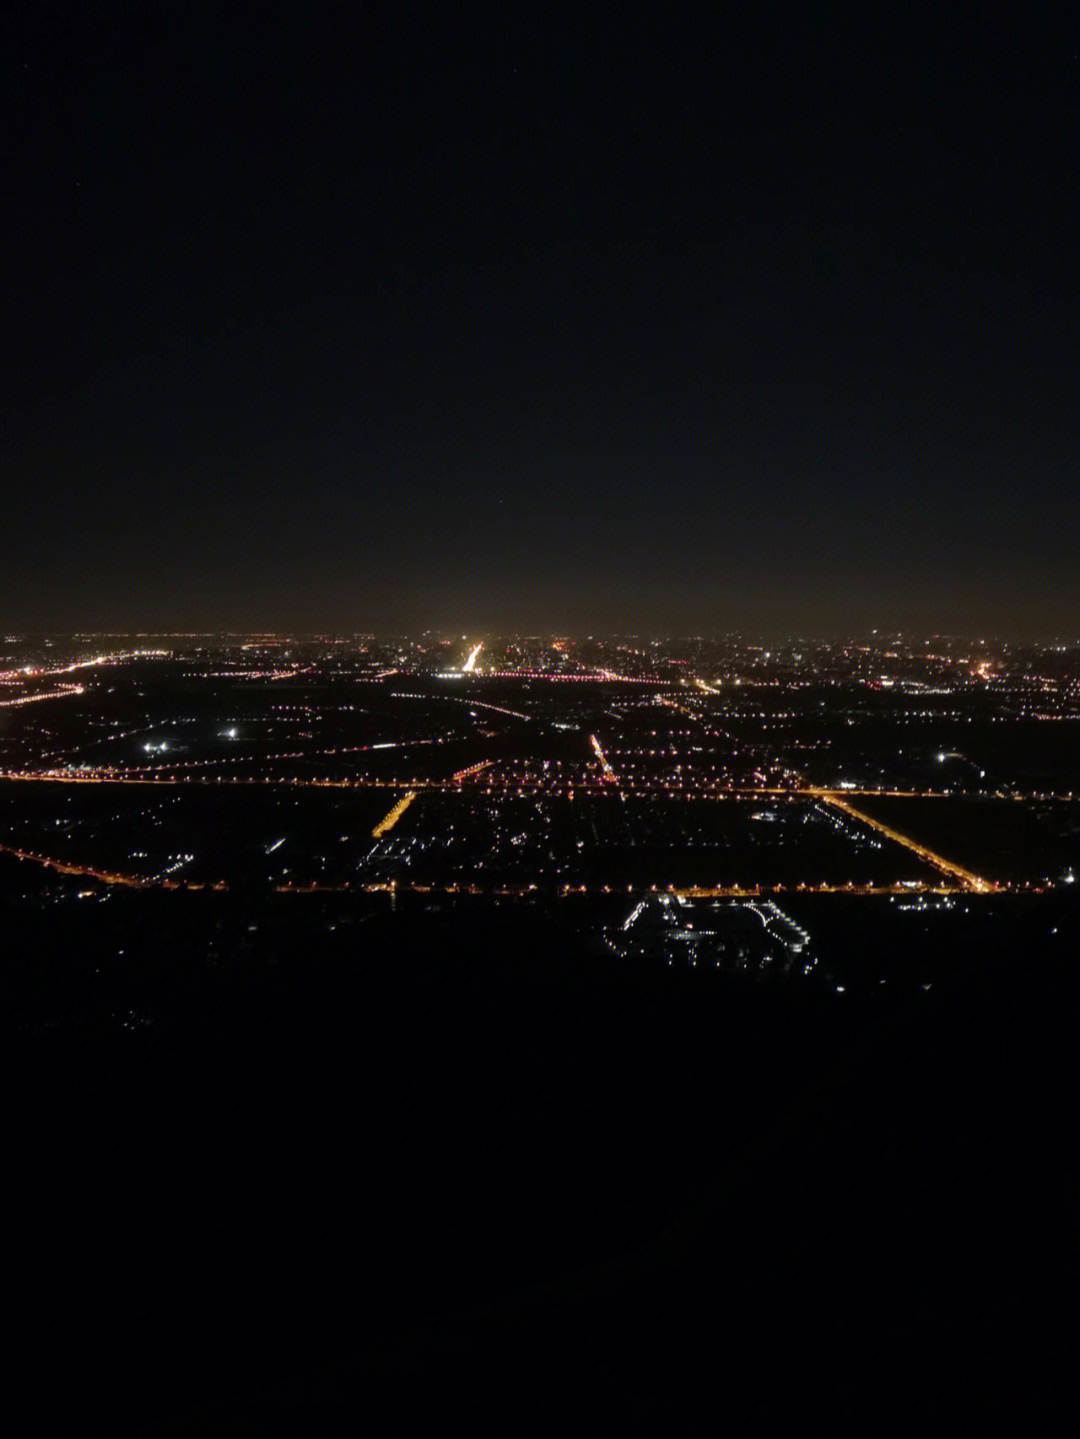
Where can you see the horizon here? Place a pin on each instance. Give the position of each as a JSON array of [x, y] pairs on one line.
[[450, 635]]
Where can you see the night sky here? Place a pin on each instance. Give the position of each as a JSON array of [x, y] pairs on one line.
[[483, 317]]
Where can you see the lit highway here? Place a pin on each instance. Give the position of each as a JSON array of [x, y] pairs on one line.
[[386, 824], [690, 788], [61, 692], [609, 773]]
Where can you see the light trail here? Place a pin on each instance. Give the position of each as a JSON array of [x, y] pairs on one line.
[[470, 664], [386, 824], [954, 871]]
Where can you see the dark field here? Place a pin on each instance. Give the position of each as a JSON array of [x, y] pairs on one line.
[[1007, 841], [281, 1167]]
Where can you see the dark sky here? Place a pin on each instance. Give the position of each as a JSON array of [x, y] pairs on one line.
[[480, 317]]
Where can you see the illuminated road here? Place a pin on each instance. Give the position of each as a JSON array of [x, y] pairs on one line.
[[714, 790], [470, 664], [386, 824], [609, 773], [60, 693], [82, 871], [464, 774], [36, 671], [592, 677]]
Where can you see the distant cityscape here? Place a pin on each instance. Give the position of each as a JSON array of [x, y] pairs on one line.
[[695, 801]]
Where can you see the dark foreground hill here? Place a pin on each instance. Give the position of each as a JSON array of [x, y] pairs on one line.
[[462, 1174]]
